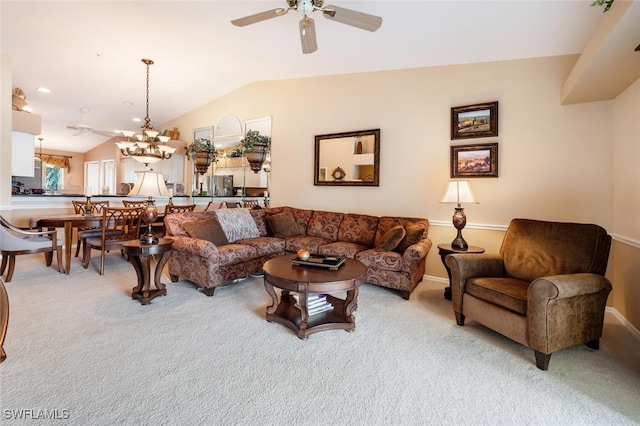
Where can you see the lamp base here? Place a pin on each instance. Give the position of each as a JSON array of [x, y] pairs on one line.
[[459, 222], [459, 243], [148, 238]]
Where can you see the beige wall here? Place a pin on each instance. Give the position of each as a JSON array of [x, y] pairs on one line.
[[626, 206], [556, 162]]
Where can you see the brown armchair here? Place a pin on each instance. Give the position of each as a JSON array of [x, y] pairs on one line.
[[546, 289]]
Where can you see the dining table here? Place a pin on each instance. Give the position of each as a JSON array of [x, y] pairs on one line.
[[68, 222]]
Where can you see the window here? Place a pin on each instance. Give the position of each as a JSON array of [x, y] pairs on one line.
[[53, 178]]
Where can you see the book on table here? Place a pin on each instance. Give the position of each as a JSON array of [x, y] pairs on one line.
[[316, 303]]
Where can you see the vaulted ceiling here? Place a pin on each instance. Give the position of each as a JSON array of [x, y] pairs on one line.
[[88, 53]]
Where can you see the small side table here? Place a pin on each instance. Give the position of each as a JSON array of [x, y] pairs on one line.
[[443, 251], [140, 257]]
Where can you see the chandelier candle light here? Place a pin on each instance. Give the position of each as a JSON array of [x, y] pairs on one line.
[[148, 147], [459, 191], [150, 184]]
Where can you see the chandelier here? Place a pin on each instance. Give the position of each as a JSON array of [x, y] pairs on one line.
[[147, 147]]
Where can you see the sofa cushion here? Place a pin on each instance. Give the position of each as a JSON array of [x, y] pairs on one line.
[[283, 225], [510, 293], [413, 235], [293, 244], [325, 224], [391, 238], [173, 222], [341, 248], [265, 246], [301, 216], [260, 217], [358, 228], [206, 229], [237, 224], [232, 254]]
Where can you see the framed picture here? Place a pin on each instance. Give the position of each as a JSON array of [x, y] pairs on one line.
[[479, 160], [474, 121]]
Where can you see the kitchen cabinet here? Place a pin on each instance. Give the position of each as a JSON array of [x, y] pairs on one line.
[[22, 154]]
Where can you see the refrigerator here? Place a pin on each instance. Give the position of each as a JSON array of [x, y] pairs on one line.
[[223, 185]]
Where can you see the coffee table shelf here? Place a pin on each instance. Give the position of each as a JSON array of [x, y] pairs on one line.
[[280, 273]]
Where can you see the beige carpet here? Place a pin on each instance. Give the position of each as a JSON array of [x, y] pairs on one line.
[[79, 348]]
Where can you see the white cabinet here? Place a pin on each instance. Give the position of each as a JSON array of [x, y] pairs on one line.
[[172, 169], [22, 154]]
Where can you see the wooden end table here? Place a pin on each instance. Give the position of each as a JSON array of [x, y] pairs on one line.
[[306, 280], [140, 257], [443, 251]]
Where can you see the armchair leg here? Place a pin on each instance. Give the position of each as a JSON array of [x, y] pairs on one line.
[[542, 360], [12, 266], [594, 344], [174, 278], [208, 291], [405, 294], [459, 318], [4, 264]]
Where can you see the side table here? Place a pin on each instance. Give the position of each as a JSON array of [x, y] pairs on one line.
[[443, 251], [140, 257]]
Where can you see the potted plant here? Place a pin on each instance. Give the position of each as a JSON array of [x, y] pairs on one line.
[[256, 147], [203, 153]]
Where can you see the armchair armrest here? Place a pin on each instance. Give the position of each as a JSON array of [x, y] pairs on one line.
[[564, 310], [464, 266]]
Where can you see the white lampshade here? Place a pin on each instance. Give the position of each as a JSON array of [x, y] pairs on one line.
[[150, 184], [459, 191]]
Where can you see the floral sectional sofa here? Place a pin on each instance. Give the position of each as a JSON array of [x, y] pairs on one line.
[[215, 247]]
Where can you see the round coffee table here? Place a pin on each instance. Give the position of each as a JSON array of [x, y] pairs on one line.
[[306, 280]]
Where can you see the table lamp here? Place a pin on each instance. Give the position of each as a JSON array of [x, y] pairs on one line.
[[150, 184], [459, 191]]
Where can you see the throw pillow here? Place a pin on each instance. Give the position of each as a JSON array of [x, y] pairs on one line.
[[412, 236], [283, 225], [206, 229], [237, 224], [391, 238]]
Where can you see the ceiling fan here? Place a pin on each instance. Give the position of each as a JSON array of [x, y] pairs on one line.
[[307, 26], [84, 128]]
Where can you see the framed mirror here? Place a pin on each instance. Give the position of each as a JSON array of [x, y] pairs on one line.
[[348, 159]]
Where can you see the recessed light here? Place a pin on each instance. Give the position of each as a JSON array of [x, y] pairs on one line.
[[27, 108], [137, 119], [128, 103], [43, 90]]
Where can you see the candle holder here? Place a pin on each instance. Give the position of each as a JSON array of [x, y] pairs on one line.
[[86, 209]]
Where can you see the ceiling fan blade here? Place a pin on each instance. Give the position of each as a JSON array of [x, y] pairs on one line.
[[360, 20], [259, 17], [308, 35], [103, 133]]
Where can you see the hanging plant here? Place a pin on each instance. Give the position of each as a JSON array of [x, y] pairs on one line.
[[201, 145], [256, 147]]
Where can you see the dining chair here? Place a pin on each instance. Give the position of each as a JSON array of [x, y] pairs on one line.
[[119, 225], [232, 204], [250, 204], [214, 205], [15, 241], [128, 203], [83, 233]]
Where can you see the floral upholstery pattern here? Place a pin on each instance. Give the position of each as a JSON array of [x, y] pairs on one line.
[[353, 235], [325, 225], [358, 228]]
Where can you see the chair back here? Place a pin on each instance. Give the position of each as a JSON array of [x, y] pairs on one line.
[[214, 205], [80, 206], [120, 224], [171, 208], [128, 203], [250, 203], [532, 249]]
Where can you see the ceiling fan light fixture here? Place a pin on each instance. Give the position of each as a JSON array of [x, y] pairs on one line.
[[149, 147]]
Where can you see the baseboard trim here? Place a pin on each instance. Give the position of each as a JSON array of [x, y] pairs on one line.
[[624, 321]]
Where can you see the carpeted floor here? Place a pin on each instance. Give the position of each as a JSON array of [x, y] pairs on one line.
[[80, 349]]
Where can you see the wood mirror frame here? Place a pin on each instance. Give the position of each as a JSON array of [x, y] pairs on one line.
[[347, 159]]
